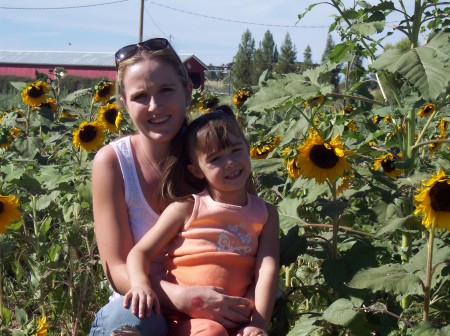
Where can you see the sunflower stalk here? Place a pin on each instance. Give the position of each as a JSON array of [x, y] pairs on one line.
[[429, 273], [334, 244]]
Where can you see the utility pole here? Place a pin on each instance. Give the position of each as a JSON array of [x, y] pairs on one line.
[[141, 24]]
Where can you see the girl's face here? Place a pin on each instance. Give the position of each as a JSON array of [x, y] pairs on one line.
[[226, 171], [155, 99]]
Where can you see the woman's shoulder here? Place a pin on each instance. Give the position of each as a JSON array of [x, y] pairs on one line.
[[105, 155], [108, 153]]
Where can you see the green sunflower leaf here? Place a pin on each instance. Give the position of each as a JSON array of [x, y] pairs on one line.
[[287, 210], [388, 278], [340, 312], [309, 327], [266, 165], [367, 29], [425, 67], [441, 254], [427, 329], [291, 246]]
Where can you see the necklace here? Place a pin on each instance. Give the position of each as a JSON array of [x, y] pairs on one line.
[[151, 164]]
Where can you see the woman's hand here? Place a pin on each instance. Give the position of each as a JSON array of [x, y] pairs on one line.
[[211, 303], [142, 300]]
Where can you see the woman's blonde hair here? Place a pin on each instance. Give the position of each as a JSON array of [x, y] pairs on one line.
[[166, 56]]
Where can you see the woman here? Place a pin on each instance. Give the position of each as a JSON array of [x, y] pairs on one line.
[[155, 90]]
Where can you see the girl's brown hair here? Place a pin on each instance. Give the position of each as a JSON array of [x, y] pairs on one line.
[[204, 134]]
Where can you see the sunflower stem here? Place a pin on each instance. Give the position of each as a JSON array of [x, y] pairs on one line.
[[334, 245], [429, 272], [422, 133]]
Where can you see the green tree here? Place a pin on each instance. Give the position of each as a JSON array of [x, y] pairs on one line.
[[307, 58], [258, 64], [332, 76], [242, 69], [288, 56], [264, 56]]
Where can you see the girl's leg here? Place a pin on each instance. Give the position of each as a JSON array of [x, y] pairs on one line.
[[113, 319], [196, 327]]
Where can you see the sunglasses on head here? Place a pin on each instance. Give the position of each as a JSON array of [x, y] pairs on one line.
[[128, 51]]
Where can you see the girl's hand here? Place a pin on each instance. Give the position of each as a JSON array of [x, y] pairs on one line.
[[143, 300], [211, 303], [252, 331]]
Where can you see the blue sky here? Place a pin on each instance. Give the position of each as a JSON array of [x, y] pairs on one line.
[[212, 30]]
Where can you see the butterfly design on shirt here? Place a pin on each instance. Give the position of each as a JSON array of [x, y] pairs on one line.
[[240, 245]]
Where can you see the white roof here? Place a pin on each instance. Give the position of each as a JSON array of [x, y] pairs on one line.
[[102, 59]]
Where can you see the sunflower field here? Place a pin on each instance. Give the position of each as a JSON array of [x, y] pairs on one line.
[[360, 175]]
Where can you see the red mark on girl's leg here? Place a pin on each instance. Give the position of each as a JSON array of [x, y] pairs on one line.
[[197, 302]]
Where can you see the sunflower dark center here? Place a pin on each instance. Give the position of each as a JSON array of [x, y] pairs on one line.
[[88, 133], [428, 109], [1, 207], [323, 157], [388, 165], [104, 91], [111, 116], [35, 92], [439, 196]]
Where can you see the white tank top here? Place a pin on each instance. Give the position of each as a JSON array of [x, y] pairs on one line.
[[140, 214]]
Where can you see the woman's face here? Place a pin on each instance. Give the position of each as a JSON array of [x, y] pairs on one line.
[[155, 98]]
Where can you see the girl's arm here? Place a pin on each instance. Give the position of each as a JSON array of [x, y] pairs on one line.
[[141, 294], [266, 272]]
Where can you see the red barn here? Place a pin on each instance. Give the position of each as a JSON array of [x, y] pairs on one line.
[[82, 64]]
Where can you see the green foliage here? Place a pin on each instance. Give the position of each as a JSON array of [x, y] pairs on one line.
[[49, 262]]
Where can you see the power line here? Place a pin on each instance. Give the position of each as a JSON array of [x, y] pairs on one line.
[[71, 7], [235, 21]]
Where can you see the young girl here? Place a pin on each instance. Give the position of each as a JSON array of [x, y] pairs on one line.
[[224, 236]]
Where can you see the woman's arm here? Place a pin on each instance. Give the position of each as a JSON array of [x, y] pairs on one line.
[[112, 228], [266, 274]]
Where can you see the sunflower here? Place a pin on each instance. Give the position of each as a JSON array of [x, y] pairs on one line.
[[426, 110], [435, 145], [35, 93], [241, 95], [7, 136], [432, 201], [208, 103], [262, 151], [316, 101], [50, 103], [103, 91], [376, 119], [110, 116], [352, 126], [67, 115], [42, 327], [320, 159], [347, 109], [89, 136], [387, 162], [345, 183], [8, 211], [443, 124]]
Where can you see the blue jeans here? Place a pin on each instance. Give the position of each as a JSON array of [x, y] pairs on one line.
[[114, 319]]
